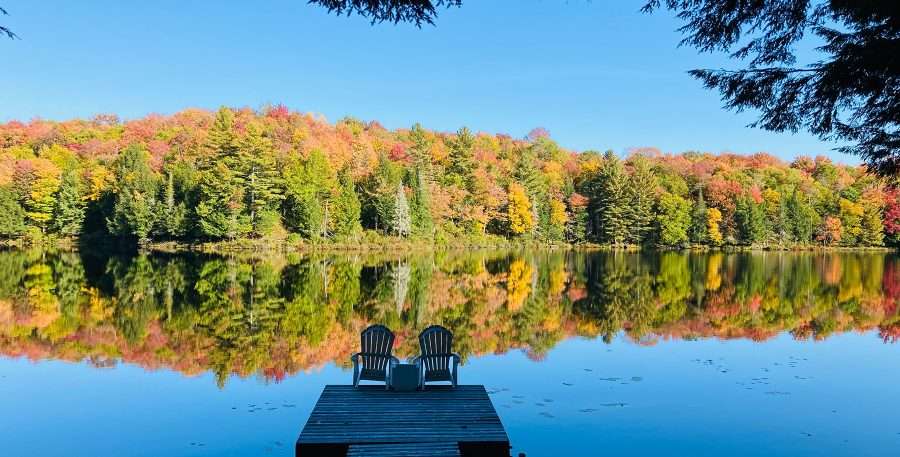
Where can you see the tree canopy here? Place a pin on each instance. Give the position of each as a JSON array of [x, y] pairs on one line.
[[272, 173], [417, 12], [850, 95], [5, 30]]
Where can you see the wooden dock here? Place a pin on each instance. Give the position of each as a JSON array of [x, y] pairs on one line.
[[370, 421]]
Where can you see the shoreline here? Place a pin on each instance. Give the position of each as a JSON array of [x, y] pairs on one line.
[[387, 244]]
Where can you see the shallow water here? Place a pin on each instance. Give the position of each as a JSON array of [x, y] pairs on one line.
[[740, 354]]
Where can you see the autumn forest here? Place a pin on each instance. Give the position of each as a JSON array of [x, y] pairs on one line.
[[274, 174]]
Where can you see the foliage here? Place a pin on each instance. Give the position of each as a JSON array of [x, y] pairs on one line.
[[841, 97], [346, 213], [5, 30], [136, 204], [310, 185], [221, 209], [713, 234], [68, 215], [673, 219], [12, 216], [417, 12], [237, 173], [519, 213], [401, 223]]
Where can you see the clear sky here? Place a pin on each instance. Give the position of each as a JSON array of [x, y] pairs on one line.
[[596, 74]]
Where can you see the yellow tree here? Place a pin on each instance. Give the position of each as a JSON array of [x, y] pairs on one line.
[[521, 219], [558, 218], [40, 184], [713, 217]]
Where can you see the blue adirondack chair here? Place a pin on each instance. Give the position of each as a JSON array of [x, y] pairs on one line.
[[436, 361], [374, 361]]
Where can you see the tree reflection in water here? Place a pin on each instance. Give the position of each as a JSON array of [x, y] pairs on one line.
[[277, 315]]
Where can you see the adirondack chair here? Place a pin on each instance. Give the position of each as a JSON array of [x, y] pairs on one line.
[[436, 361], [374, 361]]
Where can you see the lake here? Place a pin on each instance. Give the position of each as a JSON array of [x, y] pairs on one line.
[[583, 353]]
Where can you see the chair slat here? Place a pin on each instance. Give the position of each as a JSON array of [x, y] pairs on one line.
[[376, 343]]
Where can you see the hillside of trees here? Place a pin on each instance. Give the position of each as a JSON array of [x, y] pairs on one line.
[[274, 174]]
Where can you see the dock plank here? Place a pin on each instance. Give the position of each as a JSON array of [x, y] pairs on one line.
[[349, 419], [404, 450]]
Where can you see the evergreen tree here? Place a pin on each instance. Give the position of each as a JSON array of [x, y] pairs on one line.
[[220, 208], [134, 211], [462, 159], [309, 188], [346, 208], [420, 206], [751, 221], [421, 147], [12, 216], [401, 223], [803, 217], [68, 215], [264, 191], [173, 222], [698, 232], [381, 194], [611, 209], [641, 198]]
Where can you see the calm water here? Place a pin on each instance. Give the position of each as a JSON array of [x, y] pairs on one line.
[[584, 353]]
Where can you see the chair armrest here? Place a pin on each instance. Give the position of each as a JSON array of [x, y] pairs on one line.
[[355, 357], [414, 360], [395, 361], [456, 357]]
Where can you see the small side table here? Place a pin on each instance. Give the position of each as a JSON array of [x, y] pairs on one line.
[[405, 377]]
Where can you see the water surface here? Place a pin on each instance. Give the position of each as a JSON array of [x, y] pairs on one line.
[[583, 353]]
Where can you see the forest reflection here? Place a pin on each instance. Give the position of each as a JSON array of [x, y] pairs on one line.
[[274, 316]]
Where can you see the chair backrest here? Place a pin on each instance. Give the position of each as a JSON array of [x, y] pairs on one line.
[[436, 344], [376, 343]]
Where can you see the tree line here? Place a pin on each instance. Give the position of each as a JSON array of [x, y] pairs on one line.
[[274, 174]]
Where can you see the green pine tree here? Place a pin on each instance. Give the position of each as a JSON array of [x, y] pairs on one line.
[[220, 208], [421, 148], [751, 221], [309, 186], [68, 215], [264, 185], [527, 173], [611, 201], [462, 161], [697, 233], [803, 216], [420, 205], [173, 222], [345, 219], [641, 198], [12, 215], [381, 194], [136, 205]]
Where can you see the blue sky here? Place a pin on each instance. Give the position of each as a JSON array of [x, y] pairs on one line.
[[596, 74]]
